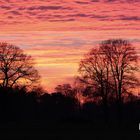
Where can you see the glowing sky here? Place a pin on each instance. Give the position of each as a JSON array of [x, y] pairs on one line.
[[58, 32]]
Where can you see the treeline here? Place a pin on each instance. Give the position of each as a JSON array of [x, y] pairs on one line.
[[20, 106], [102, 96]]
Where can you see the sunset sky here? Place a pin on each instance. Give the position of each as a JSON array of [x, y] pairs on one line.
[[58, 32]]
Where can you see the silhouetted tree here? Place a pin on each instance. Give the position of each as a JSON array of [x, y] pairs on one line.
[[66, 90], [16, 68], [94, 70], [110, 68], [122, 60]]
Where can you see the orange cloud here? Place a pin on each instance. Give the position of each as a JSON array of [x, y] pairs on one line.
[[68, 15], [58, 33]]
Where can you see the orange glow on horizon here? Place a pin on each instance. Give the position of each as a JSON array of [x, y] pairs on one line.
[[58, 33]]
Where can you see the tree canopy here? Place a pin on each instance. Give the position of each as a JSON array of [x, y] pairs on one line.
[[16, 67], [110, 68]]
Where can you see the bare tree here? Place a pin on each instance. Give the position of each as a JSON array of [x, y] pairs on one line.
[[110, 68], [16, 68], [122, 59], [94, 71]]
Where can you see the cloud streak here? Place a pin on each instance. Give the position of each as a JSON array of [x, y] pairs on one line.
[[58, 32], [57, 54], [69, 13]]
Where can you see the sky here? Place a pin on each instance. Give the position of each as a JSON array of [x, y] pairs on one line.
[[57, 33]]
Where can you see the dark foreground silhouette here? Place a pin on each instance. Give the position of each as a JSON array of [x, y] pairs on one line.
[[107, 77], [56, 114]]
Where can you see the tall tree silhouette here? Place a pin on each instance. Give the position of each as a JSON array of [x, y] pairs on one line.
[[16, 68], [110, 68], [122, 59], [94, 71]]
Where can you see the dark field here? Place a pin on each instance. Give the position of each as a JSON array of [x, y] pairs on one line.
[[56, 116]]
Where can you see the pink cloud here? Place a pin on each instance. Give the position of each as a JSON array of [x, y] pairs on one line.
[[57, 33], [41, 13]]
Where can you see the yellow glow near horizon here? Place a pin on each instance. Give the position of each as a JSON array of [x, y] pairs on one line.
[[57, 34]]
